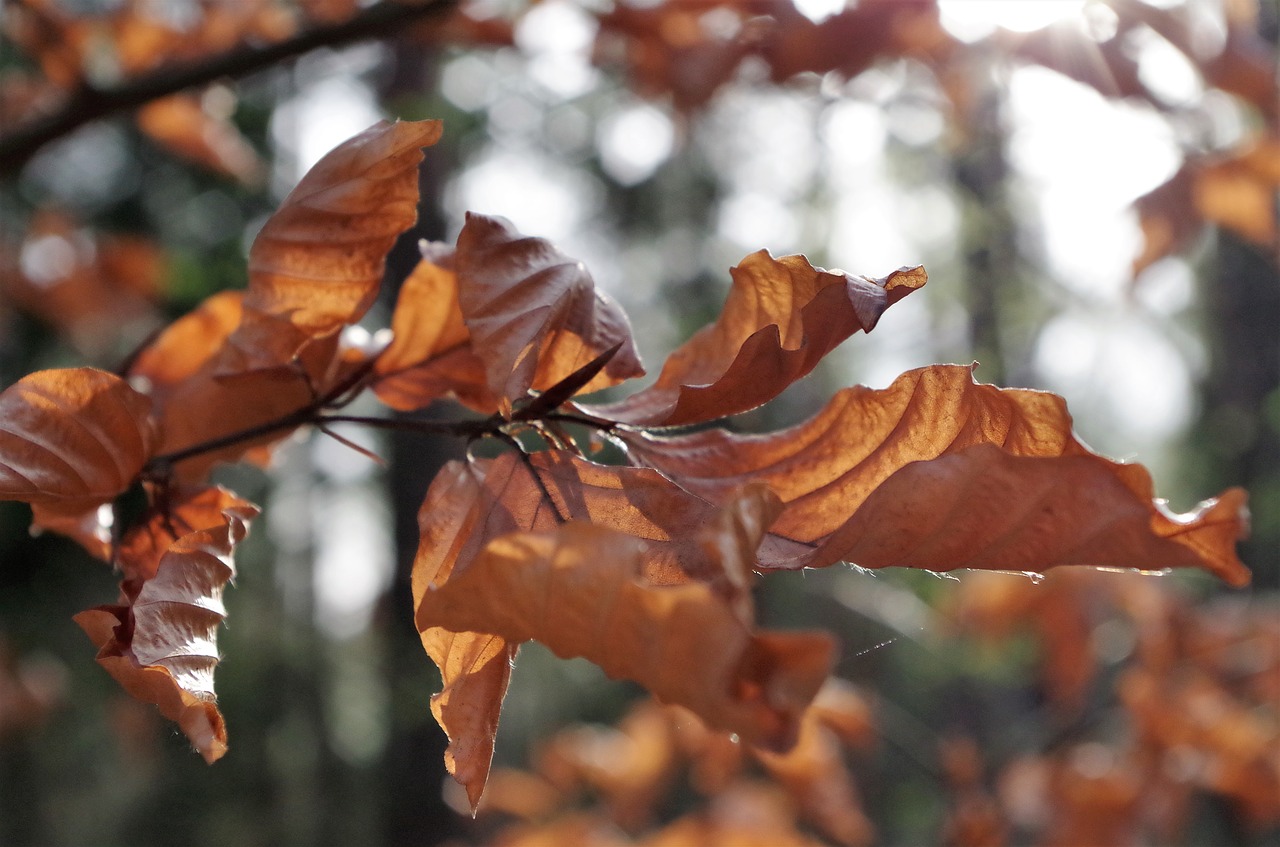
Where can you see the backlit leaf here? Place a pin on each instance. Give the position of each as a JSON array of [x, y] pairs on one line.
[[160, 642], [71, 438], [940, 472], [430, 354], [475, 668], [318, 261], [184, 346], [580, 591], [534, 314], [781, 317]]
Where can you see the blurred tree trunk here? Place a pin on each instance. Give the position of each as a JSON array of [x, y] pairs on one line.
[[1238, 434], [994, 290], [413, 810]]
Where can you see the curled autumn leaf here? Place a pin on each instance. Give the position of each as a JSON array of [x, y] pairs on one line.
[[756, 684], [319, 259], [430, 354], [470, 504], [160, 641], [534, 314], [781, 317], [72, 438], [679, 540], [187, 344], [940, 472], [475, 668]]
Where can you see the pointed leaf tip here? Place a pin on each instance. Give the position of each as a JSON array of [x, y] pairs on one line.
[[781, 317], [318, 261]]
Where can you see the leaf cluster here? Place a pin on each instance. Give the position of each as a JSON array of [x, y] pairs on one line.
[[645, 568]]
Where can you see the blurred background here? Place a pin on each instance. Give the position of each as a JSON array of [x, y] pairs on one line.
[[1092, 187]]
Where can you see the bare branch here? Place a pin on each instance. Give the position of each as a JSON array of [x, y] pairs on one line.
[[89, 104]]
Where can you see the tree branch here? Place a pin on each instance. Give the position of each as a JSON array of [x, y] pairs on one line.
[[88, 104]]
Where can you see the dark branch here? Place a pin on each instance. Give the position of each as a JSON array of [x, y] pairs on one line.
[[89, 104]]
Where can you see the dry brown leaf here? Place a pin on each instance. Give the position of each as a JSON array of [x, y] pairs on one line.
[[781, 317], [555, 485], [187, 344], [430, 354], [470, 504], [160, 642], [1169, 218], [72, 438], [534, 314], [853, 39], [475, 668], [319, 259], [174, 513], [579, 590], [208, 406], [940, 472], [669, 50]]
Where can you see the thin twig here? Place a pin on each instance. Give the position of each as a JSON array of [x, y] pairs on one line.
[[88, 104]]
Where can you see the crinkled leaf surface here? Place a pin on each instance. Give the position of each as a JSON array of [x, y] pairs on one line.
[[683, 541], [319, 259], [71, 438], [555, 486], [188, 343], [579, 590], [534, 314], [781, 317], [430, 354], [175, 513], [475, 668], [940, 472], [160, 642]]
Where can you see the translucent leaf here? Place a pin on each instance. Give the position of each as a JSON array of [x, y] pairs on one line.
[[319, 259], [160, 642], [430, 354], [71, 438], [782, 316], [940, 472], [534, 314], [579, 590]]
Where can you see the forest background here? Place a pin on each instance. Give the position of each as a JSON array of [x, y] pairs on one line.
[[1091, 186]]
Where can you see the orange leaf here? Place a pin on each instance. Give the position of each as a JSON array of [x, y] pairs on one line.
[[534, 314], [160, 643], [209, 406], [430, 354], [816, 776], [187, 344], [580, 591], [176, 513], [782, 316], [475, 668], [940, 472], [677, 539], [636, 501], [319, 259], [72, 438], [183, 125]]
